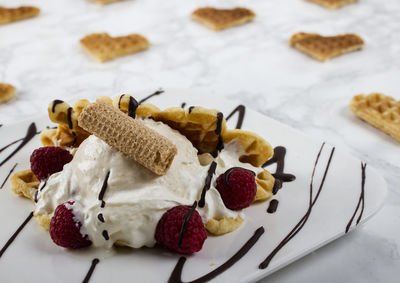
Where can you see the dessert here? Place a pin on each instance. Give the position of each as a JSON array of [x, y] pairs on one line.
[[195, 148], [103, 47], [379, 110], [9, 15], [7, 92], [324, 48], [333, 4], [218, 19]]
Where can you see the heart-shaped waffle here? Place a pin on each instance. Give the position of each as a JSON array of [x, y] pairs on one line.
[[323, 48], [218, 19], [103, 47], [9, 15]]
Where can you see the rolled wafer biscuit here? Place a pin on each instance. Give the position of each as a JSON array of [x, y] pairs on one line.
[[128, 135]]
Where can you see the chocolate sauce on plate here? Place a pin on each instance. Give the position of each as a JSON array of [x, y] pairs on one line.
[[279, 175], [273, 206], [241, 109], [304, 219], [31, 132], [360, 200], [100, 217], [176, 276], [91, 269], [9, 174], [105, 235], [12, 238], [211, 172]]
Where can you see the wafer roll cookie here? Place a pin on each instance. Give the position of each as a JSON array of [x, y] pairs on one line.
[[128, 135]]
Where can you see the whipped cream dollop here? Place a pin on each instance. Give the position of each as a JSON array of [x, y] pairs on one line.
[[135, 198]]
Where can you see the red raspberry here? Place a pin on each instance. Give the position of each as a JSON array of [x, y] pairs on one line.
[[65, 228], [169, 228], [48, 160], [237, 187]]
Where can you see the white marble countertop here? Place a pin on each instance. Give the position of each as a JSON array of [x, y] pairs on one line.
[[251, 64]]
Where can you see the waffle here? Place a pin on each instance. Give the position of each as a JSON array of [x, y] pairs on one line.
[[103, 47], [218, 19], [9, 15], [324, 48], [7, 92], [24, 183], [378, 110], [223, 225], [130, 136], [333, 4]]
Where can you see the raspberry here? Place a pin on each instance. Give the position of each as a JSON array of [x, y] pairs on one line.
[[48, 160], [65, 228], [237, 187], [169, 228]]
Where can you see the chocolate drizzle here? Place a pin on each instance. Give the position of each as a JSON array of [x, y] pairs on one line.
[[105, 235], [241, 109], [91, 269], [69, 113], [304, 219], [279, 175], [104, 188], [12, 238], [211, 172], [183, 105], [119, 101], [185, 223], [190, 109], [133, 105], [5, 180], [55, 103], [29, 135], [273, 206], [220, 144], [360, 200], [176, 275], [158, 92], [100, 217]]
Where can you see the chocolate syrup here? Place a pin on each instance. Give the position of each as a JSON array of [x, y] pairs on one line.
[[185, 223], [9, 174], [91, 269], [55, 103], [104, 188], [190, 109], [119, 101], [241, 109], [158, 92], [105, 235], [133, 105], [304, 219], [176, 275], [69, 113], [220, 144], [183, 105], [273, 206], [12, 238], [360, 200], [32, 131], [279, 175], [211, 172], [42, 187], [100, 217]]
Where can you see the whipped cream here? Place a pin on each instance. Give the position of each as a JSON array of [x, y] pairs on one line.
[[135, 197]]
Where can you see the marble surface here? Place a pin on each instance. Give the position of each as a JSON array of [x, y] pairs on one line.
[[251, 64]]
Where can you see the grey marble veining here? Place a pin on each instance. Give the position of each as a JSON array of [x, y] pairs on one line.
[[252, 64]]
